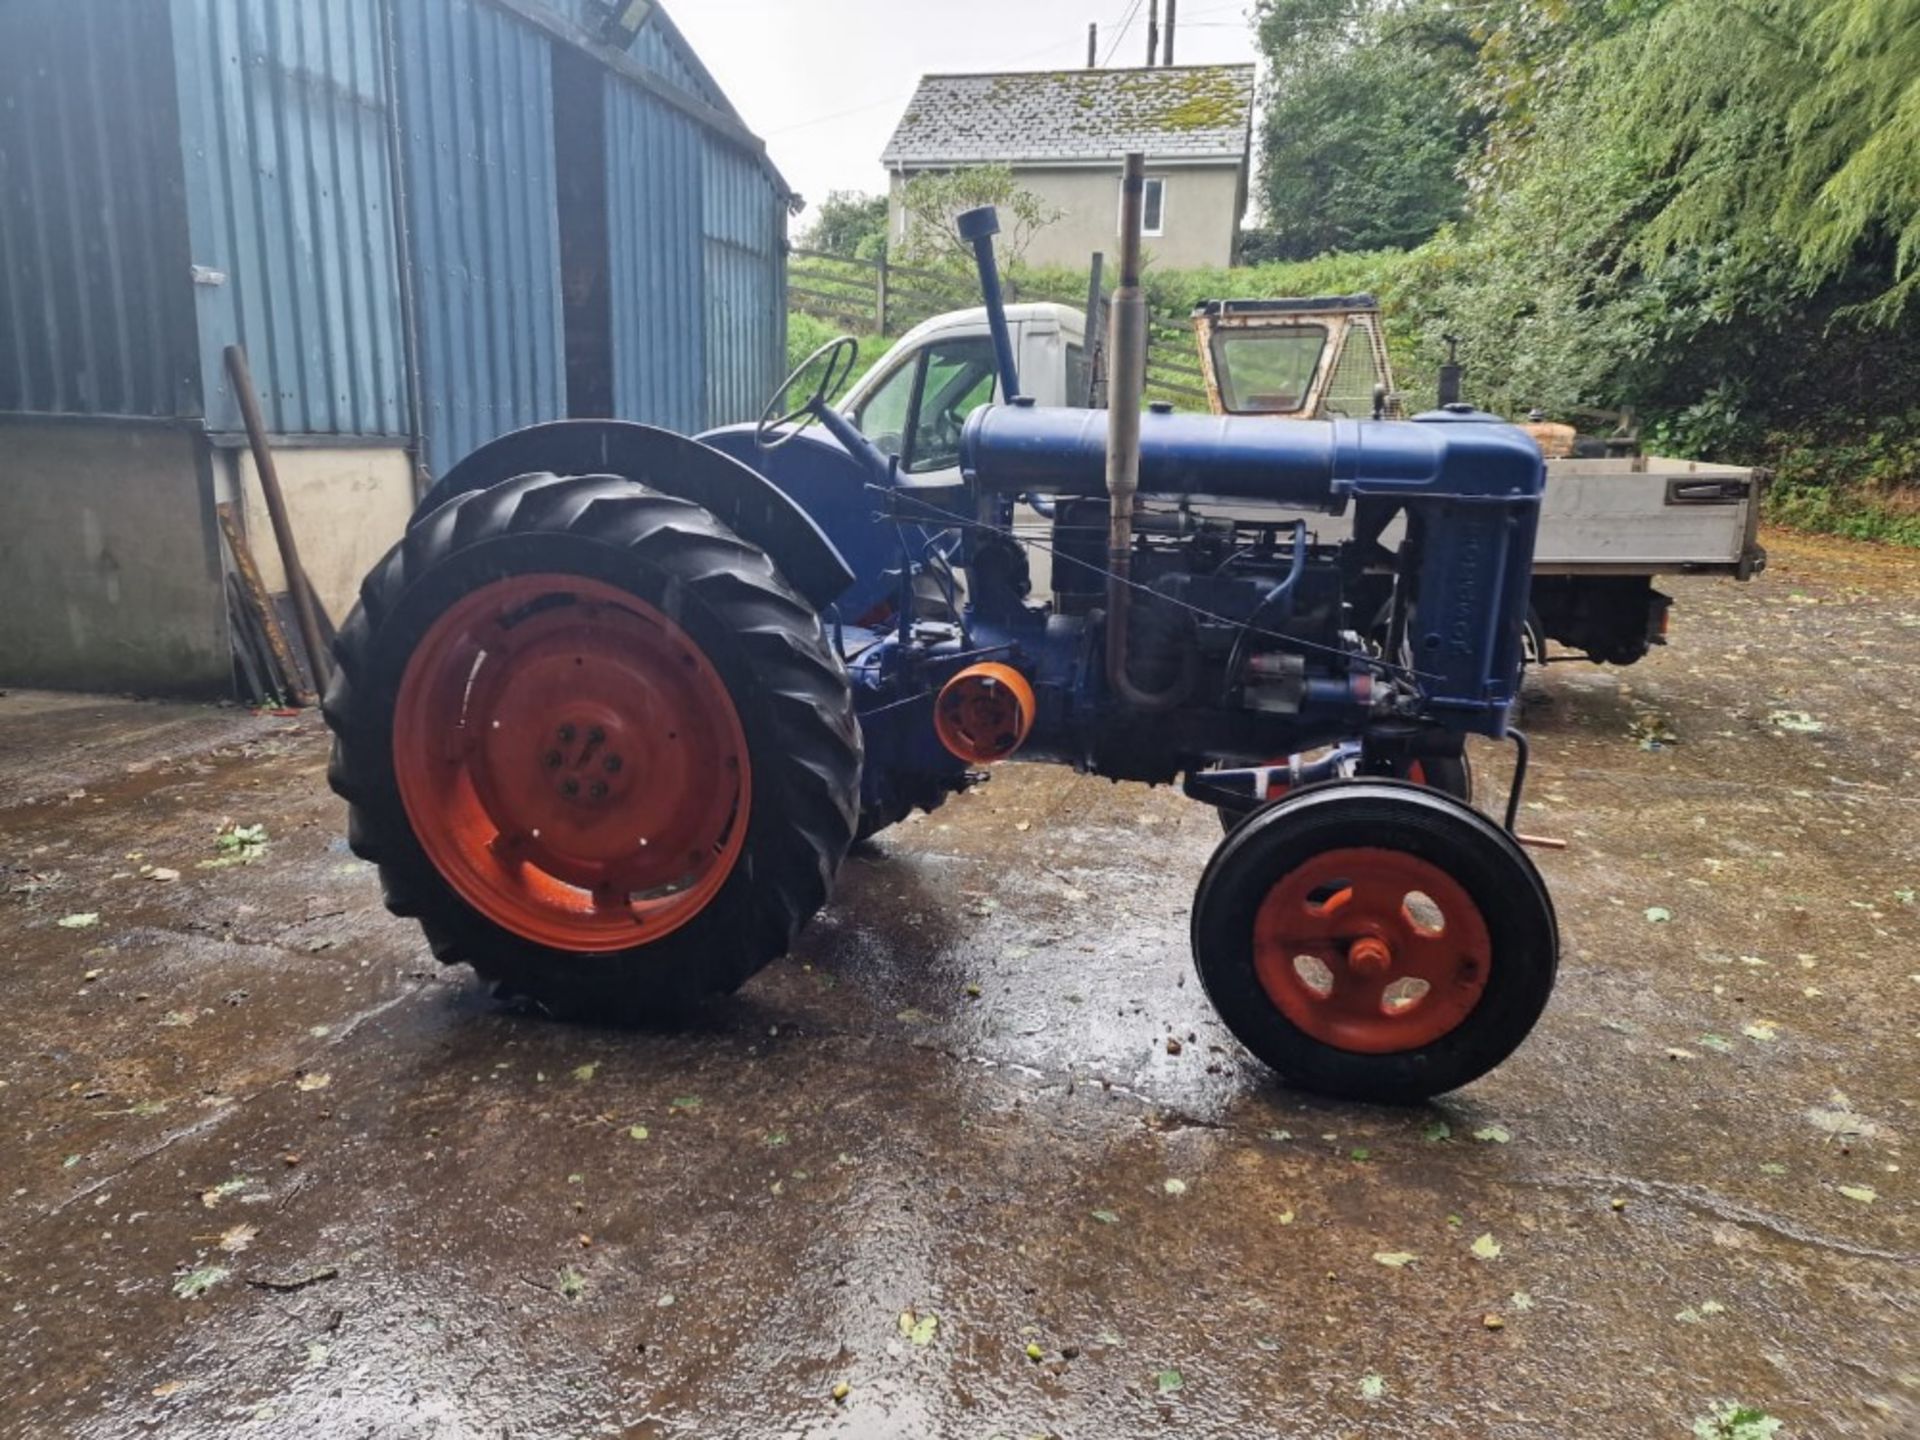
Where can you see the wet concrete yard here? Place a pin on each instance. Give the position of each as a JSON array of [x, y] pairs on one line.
[[978, 1151]]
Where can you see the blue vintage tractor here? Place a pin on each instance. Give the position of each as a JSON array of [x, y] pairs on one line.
[[612, 712]]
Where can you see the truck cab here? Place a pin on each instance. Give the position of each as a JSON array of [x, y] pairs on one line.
[[915, 399]]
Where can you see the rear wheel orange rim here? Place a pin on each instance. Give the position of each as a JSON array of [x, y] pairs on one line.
[[1370, 950], [571, 762]]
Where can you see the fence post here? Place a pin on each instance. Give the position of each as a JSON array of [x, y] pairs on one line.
[[880, 294]]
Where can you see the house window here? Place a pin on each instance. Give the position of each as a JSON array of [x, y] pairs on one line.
[[1153, 206]]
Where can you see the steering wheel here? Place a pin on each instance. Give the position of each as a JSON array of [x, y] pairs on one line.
[[771, 433]]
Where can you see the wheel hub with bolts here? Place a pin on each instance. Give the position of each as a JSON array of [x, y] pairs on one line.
[[585, 760], [1371, 950]]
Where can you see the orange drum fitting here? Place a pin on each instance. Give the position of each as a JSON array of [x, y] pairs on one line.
[[984, 713]]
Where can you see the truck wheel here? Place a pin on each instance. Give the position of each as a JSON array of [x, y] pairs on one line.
[[596, 744], [1449, 774], [1374, 940]]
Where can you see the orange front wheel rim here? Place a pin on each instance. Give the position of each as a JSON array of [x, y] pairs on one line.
[[1370, 950], [571, 762]]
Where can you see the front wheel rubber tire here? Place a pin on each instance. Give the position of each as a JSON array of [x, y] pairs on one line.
[[1496, 876], [1449, 774], [724, 596]]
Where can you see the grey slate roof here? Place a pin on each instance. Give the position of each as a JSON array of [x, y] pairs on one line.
[[1179, 112]]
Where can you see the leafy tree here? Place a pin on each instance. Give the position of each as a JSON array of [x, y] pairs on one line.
[[850, 223], [932, 200], [1366, 123]]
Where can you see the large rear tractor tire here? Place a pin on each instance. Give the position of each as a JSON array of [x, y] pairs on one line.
[[598, 747], [1375, 940]]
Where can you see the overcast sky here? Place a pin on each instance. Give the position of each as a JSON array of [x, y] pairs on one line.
[[825, 83]]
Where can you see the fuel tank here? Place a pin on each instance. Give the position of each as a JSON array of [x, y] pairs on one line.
[[1303, 464]]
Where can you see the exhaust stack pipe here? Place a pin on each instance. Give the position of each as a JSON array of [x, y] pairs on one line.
[[1127, 373]]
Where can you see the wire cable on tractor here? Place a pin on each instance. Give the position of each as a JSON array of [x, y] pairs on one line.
[[612, 712]]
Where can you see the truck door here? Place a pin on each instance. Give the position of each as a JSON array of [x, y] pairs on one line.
[[918, 410]]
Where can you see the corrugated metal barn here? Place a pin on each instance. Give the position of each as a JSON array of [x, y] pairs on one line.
[[428, 221]]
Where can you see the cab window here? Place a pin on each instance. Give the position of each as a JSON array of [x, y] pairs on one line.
[[1267, 371], [957, 379], [882, 416]]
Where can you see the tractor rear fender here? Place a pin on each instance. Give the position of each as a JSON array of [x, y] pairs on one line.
[[743, 500]]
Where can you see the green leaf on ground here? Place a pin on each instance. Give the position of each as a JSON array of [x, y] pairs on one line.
[[1522, 1301], [83, 921], [1106, 1217], [1167, 1382], [1437, 1130], [1175, 1187], [1761, 1030], [637, 1132], [1487, 1248], [571, 1282], [1372, 1387], [584, 1073], [1493, 1134], [1659, 914], [1736, 1422], [686, 1102], [1865, 1194], [1795, 722], [195, 1283], [921, 1330], [1395, 1259], [1717, 1042]]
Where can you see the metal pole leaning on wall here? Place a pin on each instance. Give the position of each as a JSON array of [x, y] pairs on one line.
[[303, 606]]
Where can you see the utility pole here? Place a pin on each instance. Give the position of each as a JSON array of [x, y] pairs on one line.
[[1153, 32], [1166, 54], [1093, 44]]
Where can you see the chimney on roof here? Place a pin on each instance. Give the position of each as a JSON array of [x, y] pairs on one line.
[[1093, 44], [1153, 31], [1166, 54]]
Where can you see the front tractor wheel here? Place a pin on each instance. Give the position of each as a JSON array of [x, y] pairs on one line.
[[595, 743], [1375, 940]]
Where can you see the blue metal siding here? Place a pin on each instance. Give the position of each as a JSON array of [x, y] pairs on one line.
[[95, 297], [660, 347], [660, 48], [745, 272], [283, 128], [476, 107]]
